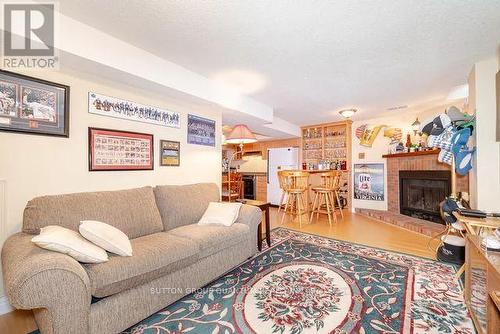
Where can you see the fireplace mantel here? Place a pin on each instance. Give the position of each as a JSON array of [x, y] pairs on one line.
[[411, 154]]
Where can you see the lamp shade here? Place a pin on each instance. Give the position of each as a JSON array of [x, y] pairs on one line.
[[240, 134]]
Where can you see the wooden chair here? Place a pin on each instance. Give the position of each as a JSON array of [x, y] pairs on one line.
[[233, 191], [324, 196], [295, 185]]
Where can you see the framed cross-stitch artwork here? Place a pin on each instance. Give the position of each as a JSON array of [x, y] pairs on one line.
[[120, 150]]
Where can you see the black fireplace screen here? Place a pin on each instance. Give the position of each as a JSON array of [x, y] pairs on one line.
[[421, 192]]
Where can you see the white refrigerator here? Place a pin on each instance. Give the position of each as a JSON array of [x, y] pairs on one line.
[[285, 158]]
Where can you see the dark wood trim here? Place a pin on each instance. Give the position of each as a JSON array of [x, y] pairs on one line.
[[411, 154]]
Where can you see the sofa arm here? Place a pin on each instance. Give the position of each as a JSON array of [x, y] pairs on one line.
[[35, 278], [252, 217]]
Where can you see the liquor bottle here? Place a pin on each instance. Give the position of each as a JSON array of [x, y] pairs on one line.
[[408, 142]]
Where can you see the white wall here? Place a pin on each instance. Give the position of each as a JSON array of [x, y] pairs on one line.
[[485, 178], [380, 146], [38, 165]]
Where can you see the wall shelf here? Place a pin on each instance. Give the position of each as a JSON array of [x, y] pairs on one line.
[[324, 136]]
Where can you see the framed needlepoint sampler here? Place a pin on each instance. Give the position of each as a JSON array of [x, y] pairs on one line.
[[120, 150]]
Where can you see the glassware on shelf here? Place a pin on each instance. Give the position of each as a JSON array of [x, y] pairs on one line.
[[312, 146], [334, 132]]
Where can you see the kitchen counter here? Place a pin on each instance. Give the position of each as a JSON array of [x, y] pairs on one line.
[[254, 173], [316, 171], [248, 173]]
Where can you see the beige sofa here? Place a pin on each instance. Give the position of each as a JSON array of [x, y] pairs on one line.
[[172, 254]]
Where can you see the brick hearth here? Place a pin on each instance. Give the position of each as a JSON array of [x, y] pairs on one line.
[[414, 161], [409, 223]]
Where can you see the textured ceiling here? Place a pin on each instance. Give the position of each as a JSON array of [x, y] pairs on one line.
[[315, 56]]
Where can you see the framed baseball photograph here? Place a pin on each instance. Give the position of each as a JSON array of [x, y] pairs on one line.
[[120, 150], [170, 153], [33, 106], [201, 131]]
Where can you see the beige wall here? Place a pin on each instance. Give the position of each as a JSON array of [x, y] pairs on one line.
[[485, 177], [38, 165]]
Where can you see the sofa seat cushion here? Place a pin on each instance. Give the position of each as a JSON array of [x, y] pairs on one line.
[[213, 238], [153, 256]]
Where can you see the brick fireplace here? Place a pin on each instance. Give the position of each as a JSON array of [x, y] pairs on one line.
[[418, 162], [422, 168]]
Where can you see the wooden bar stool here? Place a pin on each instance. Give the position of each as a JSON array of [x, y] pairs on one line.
[[281, 180], [336, 191], [324, 196], [295, 185]]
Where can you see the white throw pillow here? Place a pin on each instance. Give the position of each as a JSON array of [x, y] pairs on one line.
[[106, 236], [220, 214], [66, 241]]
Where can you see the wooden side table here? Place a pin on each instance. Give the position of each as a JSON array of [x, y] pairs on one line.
[[264, 207], [482, 275]]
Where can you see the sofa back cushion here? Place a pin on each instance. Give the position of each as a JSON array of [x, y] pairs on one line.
[[184, 205], [132, 211]]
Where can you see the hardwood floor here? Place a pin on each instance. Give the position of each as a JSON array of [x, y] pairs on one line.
[[17, 322], [361, 230], [354, 228]]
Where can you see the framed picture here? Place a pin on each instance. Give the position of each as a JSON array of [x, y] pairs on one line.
[[170, 153], [113, 107], [120, 150], [369, 182], [201, 131], [34, 106]]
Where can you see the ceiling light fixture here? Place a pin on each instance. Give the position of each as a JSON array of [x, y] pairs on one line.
[[347, 113]]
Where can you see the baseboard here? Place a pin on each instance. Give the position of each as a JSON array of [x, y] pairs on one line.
[[5, 305]]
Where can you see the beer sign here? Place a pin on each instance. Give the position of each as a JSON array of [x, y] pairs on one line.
[[369, 182]]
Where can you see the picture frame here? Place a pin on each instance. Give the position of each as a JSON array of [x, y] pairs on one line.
[[369, 182], [33, 106], [170, 153], [117, 150], [104, 105], [200, 131]]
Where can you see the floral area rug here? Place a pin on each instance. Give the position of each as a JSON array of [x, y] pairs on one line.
[[310, 284]]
